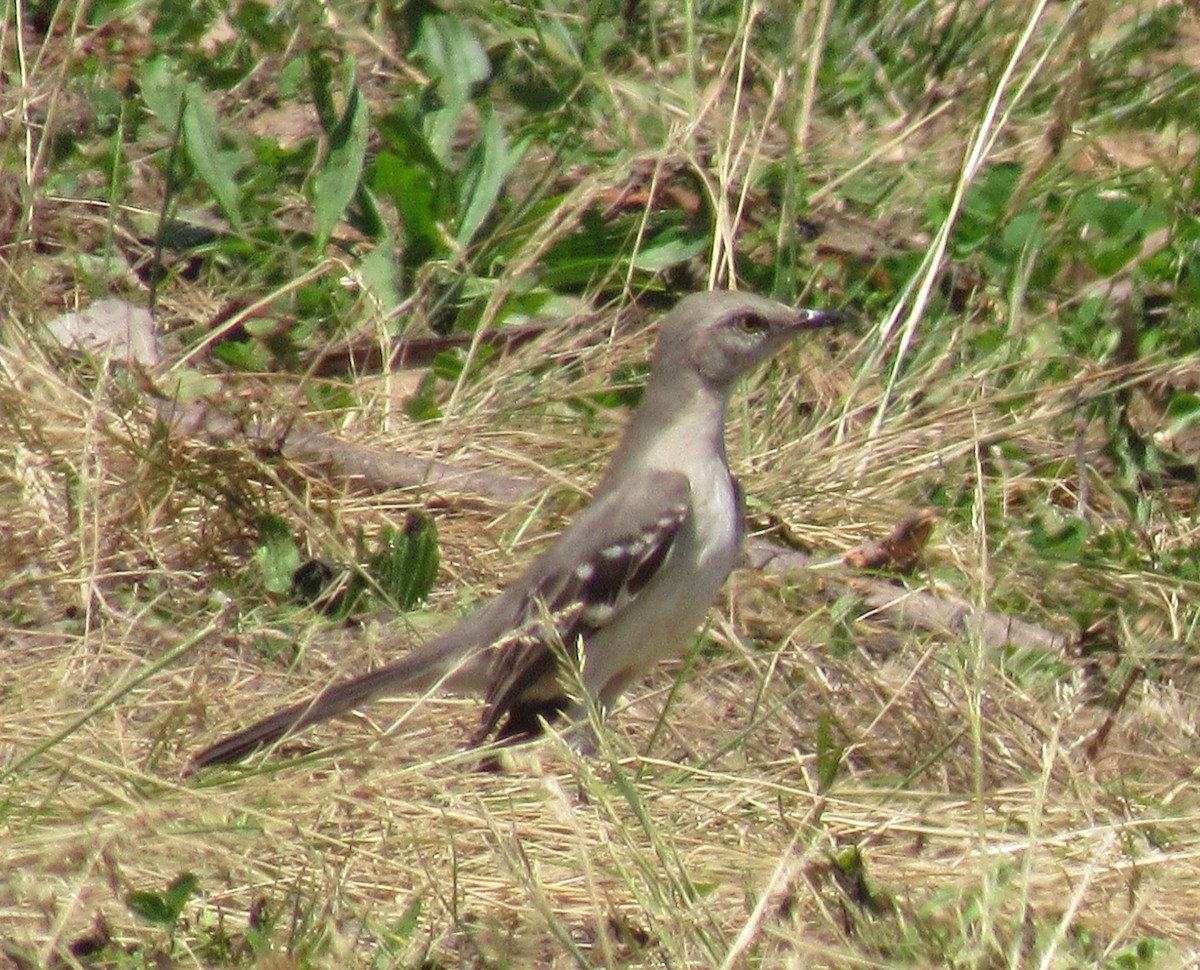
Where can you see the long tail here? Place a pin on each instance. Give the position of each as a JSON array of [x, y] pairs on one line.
[[422, 669]]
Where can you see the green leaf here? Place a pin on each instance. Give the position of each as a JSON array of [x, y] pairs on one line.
[[277, 555], [163, 88], [1112, 257], [403, 929], [1063, 540], [456, 60], [1032, 668], [378, 272], [1023, 230], [1183, 411], [447, 364], [669, 250], [829, 753], [483, 178], [166, 908], [149, 906], [451, 51], [188, 385], [407, 562], [247, 355], [253, 19], [179, 892], [422, 407], [337, 181], [203, 142], [407, 141], [415, 197]]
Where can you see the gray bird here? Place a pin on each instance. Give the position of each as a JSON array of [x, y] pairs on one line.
[[629, 581]]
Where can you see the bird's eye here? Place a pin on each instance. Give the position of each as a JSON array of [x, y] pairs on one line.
[[751, 324]]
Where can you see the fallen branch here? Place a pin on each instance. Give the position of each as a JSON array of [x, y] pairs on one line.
[[384, 471], [911, 609]]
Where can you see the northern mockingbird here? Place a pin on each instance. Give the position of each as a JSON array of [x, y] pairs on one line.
[[630, 579]]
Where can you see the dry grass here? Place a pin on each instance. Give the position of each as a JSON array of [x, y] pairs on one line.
[[975, 812], [823, 790]]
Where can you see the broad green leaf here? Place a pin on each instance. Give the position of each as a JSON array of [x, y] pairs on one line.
[[407, 562], [671, 251], [484, 177], [245, 355], [1062, 539], [457, 61], [151, 907], [451, 51], [163, 87], [203, 142], [1183, 411], [163, 909], [337, 181], [1110, 258], [407, 141], [441, 126], [276, 555], [447, 364], [378, 272], [179, 892], [410, 188], [422, 407], [187, 385], [100, 13]]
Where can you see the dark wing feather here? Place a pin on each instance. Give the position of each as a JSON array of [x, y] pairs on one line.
[[586, 583]]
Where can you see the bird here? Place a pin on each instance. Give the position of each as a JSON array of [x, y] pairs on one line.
[[629, 580]]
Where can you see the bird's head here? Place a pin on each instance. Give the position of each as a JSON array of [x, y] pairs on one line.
[[724, 335]]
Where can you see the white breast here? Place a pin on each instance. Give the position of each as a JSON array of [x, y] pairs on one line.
[[718, 516], [660, 622]]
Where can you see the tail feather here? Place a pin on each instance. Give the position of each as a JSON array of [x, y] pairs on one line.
[[421, 670], [260, 735]]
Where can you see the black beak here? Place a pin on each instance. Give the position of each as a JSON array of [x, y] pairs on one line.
[[810, 319]]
